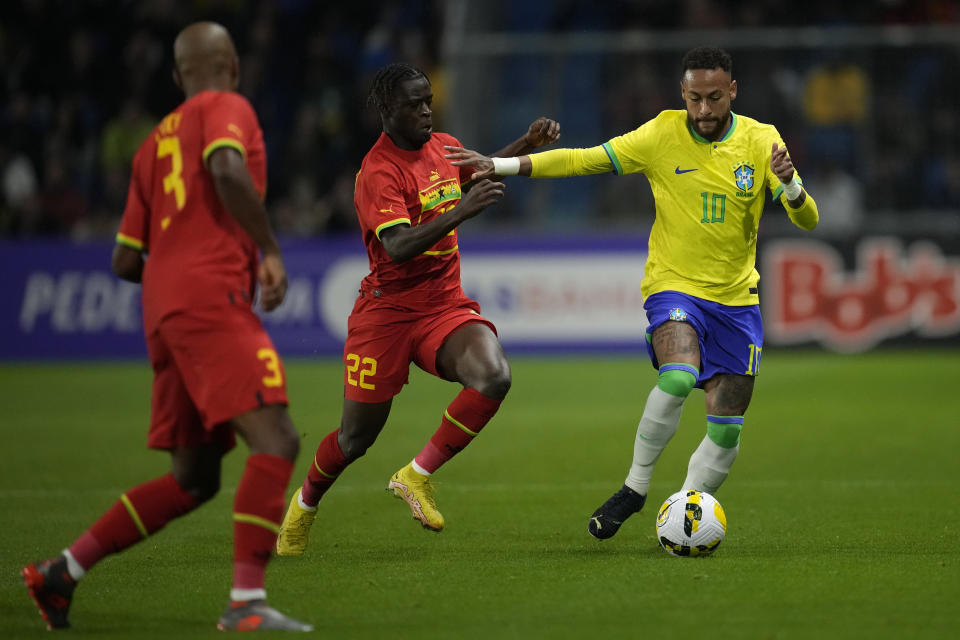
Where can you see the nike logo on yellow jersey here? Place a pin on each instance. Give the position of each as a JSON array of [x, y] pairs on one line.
[[678, 170]]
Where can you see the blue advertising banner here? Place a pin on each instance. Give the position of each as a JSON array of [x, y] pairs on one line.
[[66, 303], [559, 294], [545, 295]]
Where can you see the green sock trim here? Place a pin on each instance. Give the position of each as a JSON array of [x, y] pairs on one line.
[[724, 434], [677, 382]]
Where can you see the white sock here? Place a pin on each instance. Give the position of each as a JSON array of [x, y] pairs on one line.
[[419, 469], [245, 595], [73, 567], [661, 415], [304, 505], [709, 466]]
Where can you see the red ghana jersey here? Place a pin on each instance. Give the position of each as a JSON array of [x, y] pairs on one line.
[[198, 255], [396, 186]]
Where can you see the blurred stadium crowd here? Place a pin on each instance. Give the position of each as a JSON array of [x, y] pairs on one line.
[[83, 83]]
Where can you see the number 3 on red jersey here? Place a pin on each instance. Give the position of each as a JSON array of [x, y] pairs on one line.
[[272, 363], [173, 181]]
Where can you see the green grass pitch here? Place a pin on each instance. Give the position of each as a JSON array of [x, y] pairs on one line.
[[844, 518]]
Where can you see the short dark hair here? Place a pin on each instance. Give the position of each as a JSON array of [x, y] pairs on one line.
[[707, 58], [387, 80]]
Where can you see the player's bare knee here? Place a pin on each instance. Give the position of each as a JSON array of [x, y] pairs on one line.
[[287, 441], [495, 384], [354, 450], [204, 491], [728, 394], [269, 430], [354, 446], [201, 484]]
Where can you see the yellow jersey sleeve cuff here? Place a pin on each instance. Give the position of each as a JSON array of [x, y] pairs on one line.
[[390, 223], [127, 241], [560, 163], [779, 190], [223, 142], [806, 216]]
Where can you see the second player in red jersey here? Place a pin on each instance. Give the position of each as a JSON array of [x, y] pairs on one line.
[[395, 187], [411, 307], [195, 208], [200, 255], [420, 299]]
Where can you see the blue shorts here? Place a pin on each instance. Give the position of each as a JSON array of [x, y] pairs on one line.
[[731, 338]]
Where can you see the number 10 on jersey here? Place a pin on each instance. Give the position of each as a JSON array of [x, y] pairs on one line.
[[717, 207]]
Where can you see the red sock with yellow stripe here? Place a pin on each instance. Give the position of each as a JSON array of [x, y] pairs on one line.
[[327, 465], [257, 512], [140, 512], [469, 412]]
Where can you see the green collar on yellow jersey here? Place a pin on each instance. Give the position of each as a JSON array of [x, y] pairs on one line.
[[726, 136]]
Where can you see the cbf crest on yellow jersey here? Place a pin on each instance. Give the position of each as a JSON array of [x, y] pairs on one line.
[[709, 198]]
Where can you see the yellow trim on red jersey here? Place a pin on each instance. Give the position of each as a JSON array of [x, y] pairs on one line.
[[224, 142], [390, 223], [445, 252], [133, 243]]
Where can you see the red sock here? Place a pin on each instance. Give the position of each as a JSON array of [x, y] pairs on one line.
[[327, 465], [464, 418], [138, 513], [257, 512]]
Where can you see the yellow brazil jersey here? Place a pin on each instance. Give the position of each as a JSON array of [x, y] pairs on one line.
[[709, 198]]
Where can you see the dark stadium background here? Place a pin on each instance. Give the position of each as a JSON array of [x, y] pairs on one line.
[[842, 507]]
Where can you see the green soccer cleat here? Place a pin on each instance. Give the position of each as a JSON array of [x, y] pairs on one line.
[[295, 528], [417, 491], [255, 615]]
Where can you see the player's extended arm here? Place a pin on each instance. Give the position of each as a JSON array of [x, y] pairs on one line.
[[403, 242], [556, 163], [541, 132], [240, 198], [127, 263], [800, 206]]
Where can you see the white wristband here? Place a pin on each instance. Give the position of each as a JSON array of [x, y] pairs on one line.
[[506, 166], [792, 189]]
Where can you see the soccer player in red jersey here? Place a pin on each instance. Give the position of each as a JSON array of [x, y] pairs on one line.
[[411, 307], [195, 208]]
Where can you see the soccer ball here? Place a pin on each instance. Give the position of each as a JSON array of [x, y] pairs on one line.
[[691, 523]]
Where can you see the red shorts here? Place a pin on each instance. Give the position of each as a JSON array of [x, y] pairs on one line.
[[382, 342], [210, 365]]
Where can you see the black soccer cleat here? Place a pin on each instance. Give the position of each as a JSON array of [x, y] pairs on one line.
[[606, 521], [51, 587]]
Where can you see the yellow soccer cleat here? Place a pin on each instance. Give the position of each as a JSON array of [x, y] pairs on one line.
[[295, 528], [417, 491]]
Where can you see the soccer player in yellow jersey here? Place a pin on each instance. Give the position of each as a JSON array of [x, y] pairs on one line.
[[708, 168]]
